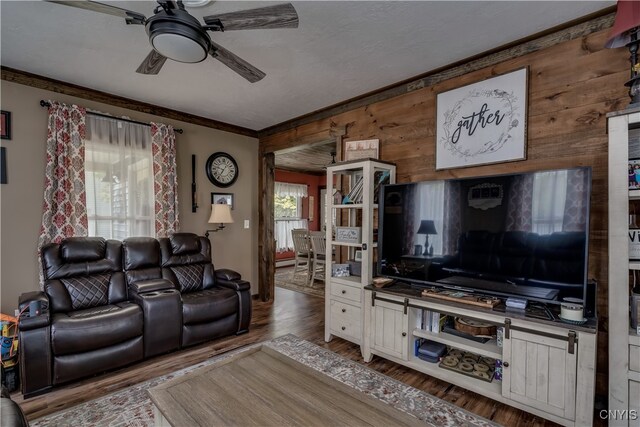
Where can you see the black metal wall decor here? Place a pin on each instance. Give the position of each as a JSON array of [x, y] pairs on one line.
[[194, 194], [3, 165]]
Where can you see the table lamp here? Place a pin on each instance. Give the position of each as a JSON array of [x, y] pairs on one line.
[[220, 214], [427, 227], [626, 32]]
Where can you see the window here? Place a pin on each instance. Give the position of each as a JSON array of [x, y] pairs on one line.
[[287, 207], [288, 213], [119, 179]]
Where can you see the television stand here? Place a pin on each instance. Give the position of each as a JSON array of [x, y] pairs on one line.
[[548, 367], [497, 288]]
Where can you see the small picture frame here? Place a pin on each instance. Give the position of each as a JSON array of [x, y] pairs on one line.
[[358, 256], [634, 174], [365, 149], [222, 199], [348, 235], [5, 124], [340, 270]]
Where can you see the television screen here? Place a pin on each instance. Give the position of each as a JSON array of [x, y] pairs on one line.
[[511, 235]]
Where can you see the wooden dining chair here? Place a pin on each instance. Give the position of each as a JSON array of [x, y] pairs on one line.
[[302, 251], [319, 250]]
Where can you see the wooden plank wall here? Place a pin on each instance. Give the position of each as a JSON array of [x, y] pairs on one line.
[[572, 86]]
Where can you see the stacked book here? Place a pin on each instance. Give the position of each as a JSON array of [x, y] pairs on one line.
[[355, 195], [432, 321]]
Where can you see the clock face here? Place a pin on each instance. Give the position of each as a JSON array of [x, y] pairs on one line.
[[222, 169]]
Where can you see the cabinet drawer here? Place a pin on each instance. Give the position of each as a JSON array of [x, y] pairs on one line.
[[347, 292], [634, 358], [346, 319]]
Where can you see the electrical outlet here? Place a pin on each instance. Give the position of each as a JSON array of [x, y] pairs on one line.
[[246, 223], [17, 312]]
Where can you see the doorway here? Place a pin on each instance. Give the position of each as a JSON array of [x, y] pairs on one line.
[[299, 177]]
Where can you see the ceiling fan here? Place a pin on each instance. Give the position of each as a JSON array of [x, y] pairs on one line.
[[175, 34]]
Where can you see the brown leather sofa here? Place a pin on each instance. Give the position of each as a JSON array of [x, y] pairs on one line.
[[107, 304]]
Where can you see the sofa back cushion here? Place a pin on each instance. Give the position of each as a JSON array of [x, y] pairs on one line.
[[141, 259], [186, 261], [83, 272]]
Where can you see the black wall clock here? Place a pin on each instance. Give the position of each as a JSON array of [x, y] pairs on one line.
[[222, 169]]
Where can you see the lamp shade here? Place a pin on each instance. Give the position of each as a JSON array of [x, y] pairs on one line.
[[220, 214], [627, 17], [427, 227]]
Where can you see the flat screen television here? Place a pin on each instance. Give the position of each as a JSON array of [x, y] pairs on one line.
[[524, 235]]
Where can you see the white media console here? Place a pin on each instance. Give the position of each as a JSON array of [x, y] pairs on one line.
[[548, 367]]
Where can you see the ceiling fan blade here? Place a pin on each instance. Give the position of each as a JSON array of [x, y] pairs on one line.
[[130, 16], [152, 63], [236, 63], [278, 16]]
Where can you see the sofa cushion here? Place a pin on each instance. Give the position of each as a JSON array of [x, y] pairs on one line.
[[140, 252], [81, 249], [87, 291], [184, 243], [94, 328], [189, 277], [208, 305]]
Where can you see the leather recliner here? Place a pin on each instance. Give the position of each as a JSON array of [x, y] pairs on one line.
[[214, 303], [107, 304], [89, 325]]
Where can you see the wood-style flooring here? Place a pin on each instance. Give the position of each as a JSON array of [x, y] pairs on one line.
[[291, 313]]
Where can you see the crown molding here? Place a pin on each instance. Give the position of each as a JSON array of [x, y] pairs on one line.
[[58, 86]]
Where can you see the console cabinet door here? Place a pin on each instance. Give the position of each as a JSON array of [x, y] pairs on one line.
[[539, 371], [390, 327]]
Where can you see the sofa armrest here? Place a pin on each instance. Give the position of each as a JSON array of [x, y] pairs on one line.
[[232, 280], [35, 346], [151, 285], [238, 285], [226, 274], [26, 322]]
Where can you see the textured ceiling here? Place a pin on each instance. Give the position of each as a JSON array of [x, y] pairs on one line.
[[341, 50]]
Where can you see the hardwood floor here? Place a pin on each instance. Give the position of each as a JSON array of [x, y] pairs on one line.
[[292, 313]]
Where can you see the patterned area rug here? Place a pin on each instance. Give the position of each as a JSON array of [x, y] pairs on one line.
[[299, 283], [132, 406]]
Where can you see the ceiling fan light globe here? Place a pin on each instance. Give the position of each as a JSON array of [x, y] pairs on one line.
[[179, 47]]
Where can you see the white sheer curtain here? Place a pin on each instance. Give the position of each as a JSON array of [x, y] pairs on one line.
[[549, 199], [119, 178], [284, 241], [285, 189], [430, 207]]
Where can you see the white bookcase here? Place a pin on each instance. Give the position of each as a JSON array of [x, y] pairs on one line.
[[344, 295], [624, 343]]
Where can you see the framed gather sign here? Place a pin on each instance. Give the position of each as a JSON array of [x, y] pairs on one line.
[[482, 123]]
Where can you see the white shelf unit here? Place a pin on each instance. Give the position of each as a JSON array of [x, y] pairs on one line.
[[548, 368], [343, 295], [624, 343], [489, 349]]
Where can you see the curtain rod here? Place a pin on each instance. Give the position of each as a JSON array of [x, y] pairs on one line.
[[44, 103]]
